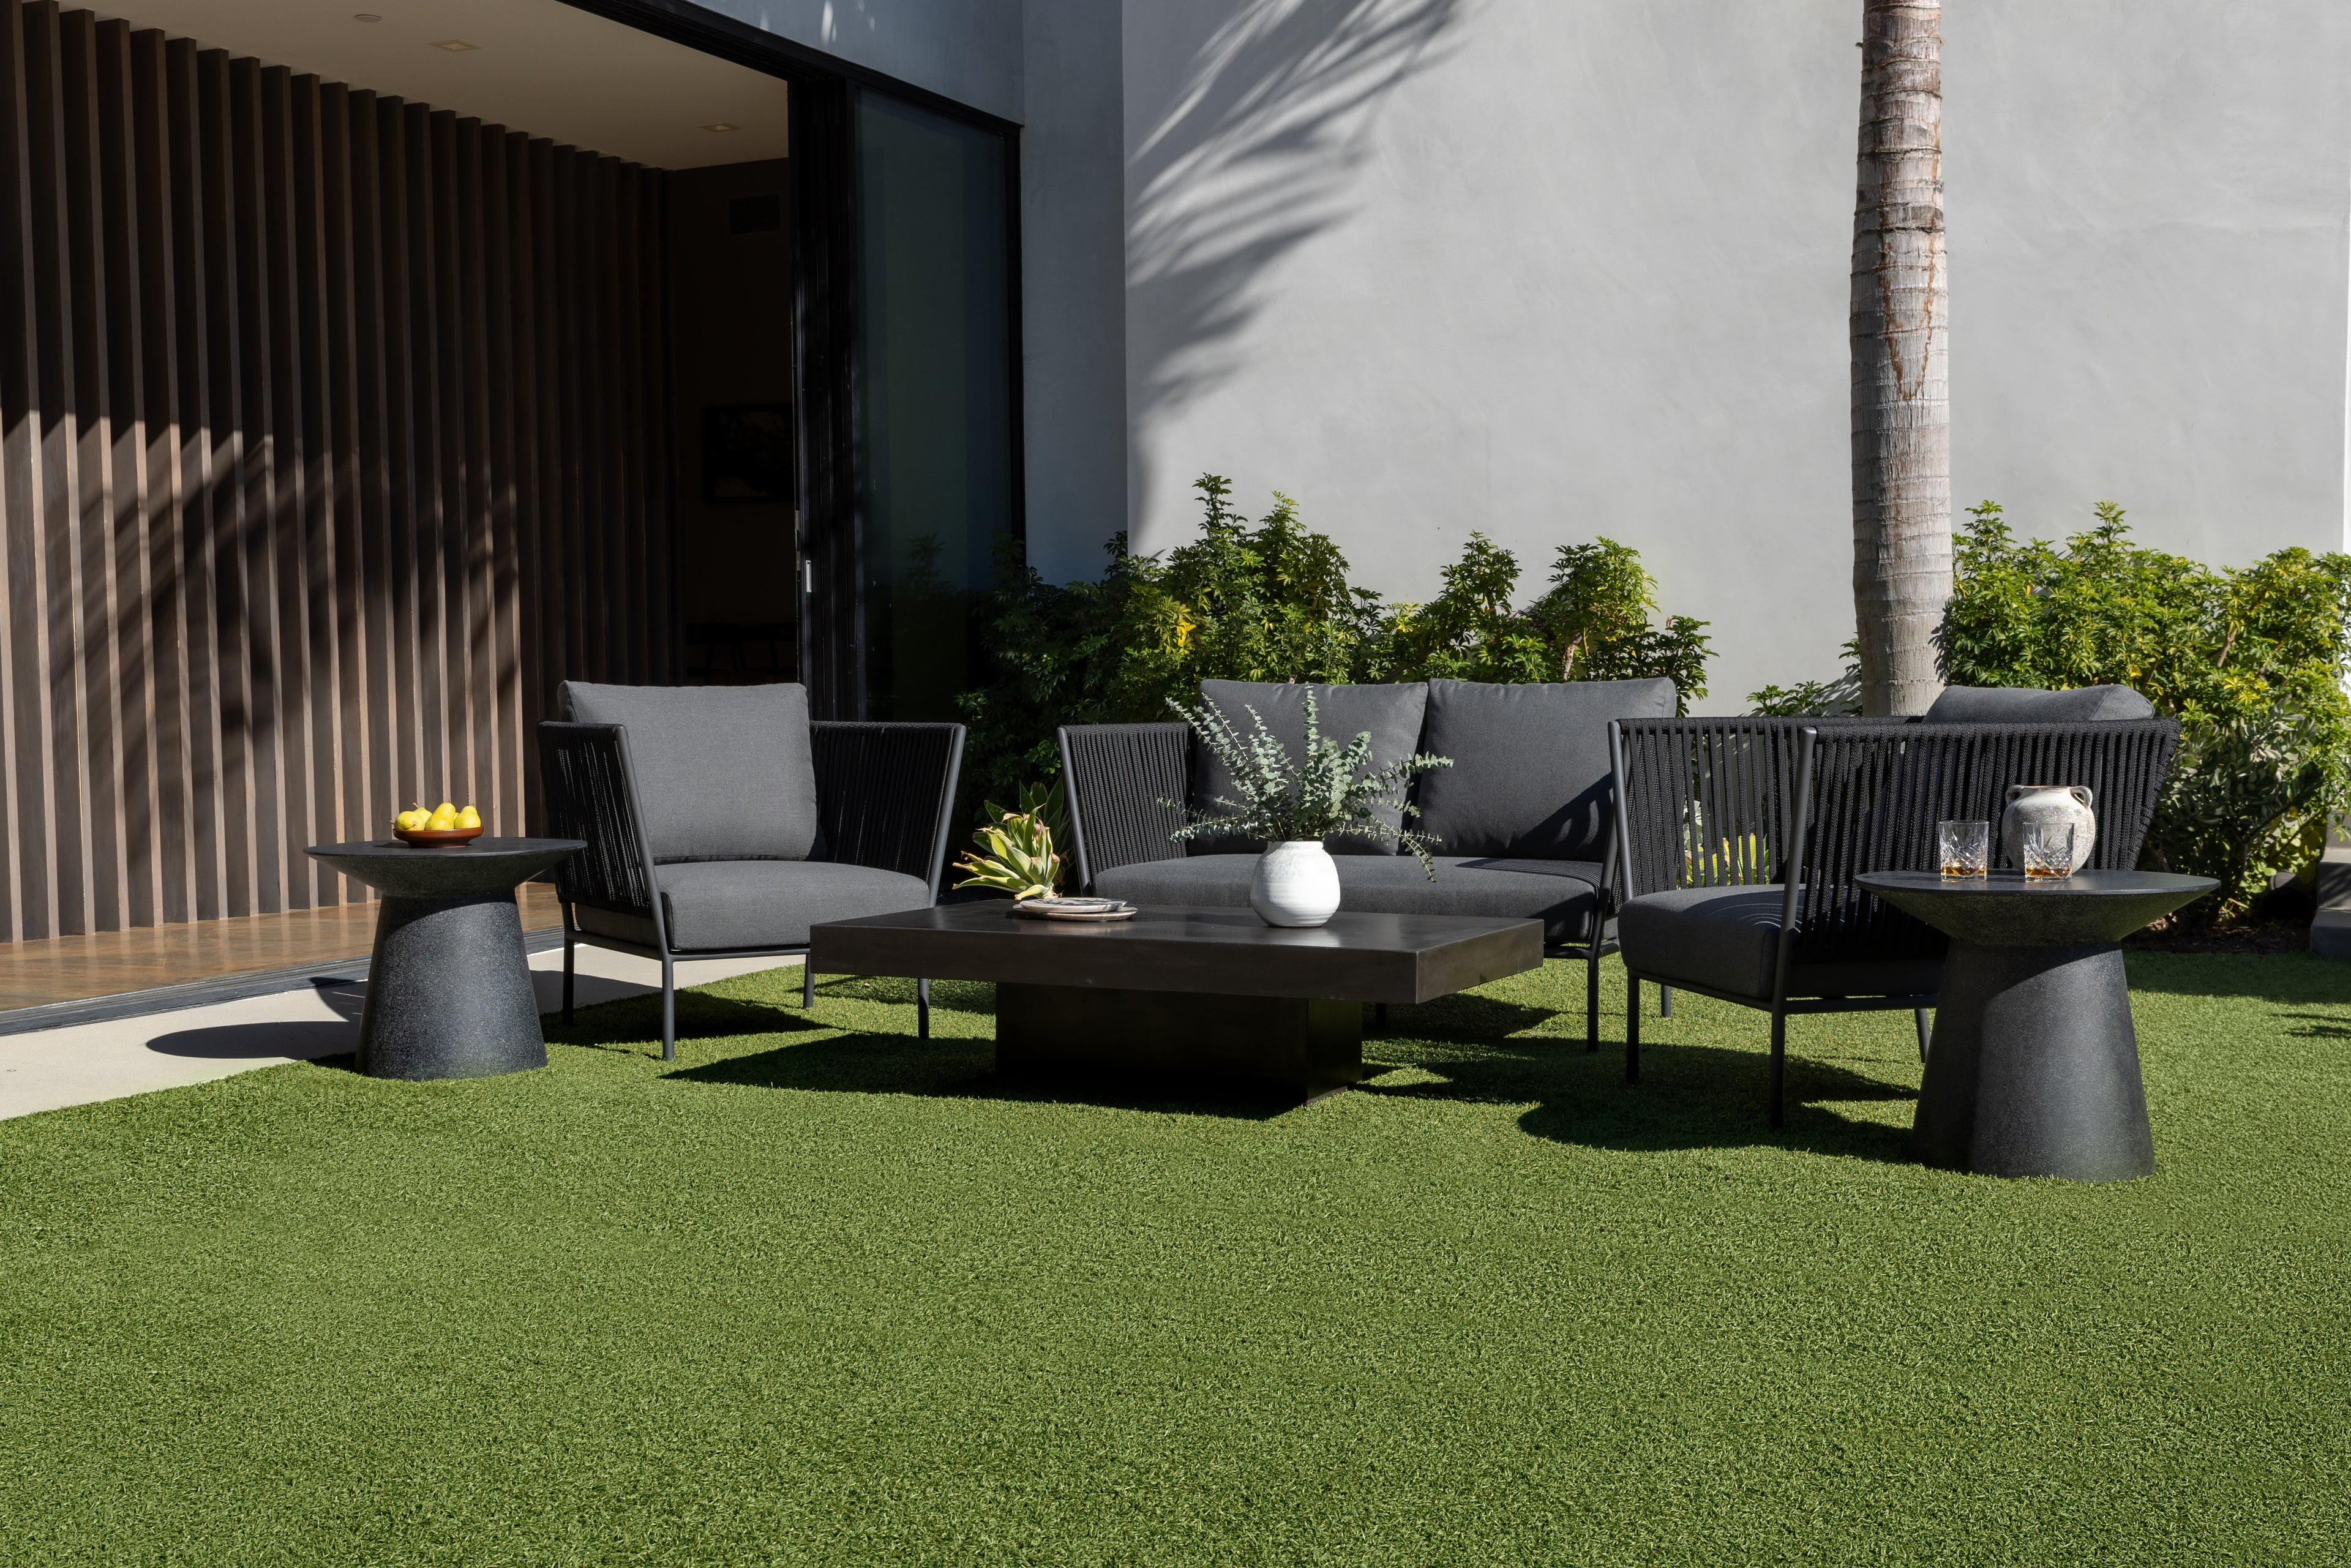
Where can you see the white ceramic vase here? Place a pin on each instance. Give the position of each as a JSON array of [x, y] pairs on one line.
[[1295, 883], [2058, 803]]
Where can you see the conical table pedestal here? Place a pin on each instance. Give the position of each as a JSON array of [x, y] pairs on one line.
[[449, 992], [2034, 1069]]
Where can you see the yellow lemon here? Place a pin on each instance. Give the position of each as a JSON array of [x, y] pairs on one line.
[[469, 818]]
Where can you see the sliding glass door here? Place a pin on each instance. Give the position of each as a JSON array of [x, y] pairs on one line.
[[937, 424]]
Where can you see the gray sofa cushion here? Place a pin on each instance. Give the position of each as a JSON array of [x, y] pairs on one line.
[[1530, 774], [713, 904], [1727, 939], [724, 773], [2030, 704], [1392, 714], [1560, 893]]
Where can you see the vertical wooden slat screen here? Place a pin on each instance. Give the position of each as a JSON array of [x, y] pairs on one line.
[[330, 442]]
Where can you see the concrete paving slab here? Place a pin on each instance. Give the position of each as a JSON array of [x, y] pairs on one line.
[[82, 1064]]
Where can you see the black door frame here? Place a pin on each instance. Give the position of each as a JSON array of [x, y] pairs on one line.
[[829, 404]]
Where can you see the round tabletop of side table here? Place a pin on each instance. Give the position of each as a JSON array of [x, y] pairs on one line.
[[2034, 1070], [449, 992]]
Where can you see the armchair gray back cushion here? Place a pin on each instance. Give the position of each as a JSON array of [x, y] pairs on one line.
[[722, 773], [1529, 777], [2030, 704], [1392, 714]]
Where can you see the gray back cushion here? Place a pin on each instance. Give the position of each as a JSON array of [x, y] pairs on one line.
[[722, 773], [2030, 704], [1392, 714], [1530, 774]]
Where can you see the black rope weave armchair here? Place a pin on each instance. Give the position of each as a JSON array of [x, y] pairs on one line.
[[659, 878], [1739, 840]]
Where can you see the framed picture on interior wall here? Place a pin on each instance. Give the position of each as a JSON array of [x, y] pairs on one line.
[[747, 453]]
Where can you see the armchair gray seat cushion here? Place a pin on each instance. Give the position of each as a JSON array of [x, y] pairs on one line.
[[722, 773], [1392, 714], [713, 906], [1727, 939], [2030, 705], [1563, 894], [1531, 773]]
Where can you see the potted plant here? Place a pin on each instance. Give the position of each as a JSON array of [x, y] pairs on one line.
[[1294, 804], [1016, 853]]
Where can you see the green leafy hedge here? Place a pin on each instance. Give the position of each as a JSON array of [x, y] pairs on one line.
[[2250, 660], [1270, 602]]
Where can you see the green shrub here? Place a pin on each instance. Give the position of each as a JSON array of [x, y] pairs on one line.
[[2250, 660], [1271, 602]]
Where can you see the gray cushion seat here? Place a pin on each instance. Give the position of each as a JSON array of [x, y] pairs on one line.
[[1727, 939], [712, 906], [1563, 894]]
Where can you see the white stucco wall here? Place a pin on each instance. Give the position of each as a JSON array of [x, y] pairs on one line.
[[1552, 270]]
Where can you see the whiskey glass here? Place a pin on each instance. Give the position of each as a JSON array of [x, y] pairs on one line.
[[1963, 849], [2048, 849]]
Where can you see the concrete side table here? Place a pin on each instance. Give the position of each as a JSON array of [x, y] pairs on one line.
[[2034, 1067], [449, 992]]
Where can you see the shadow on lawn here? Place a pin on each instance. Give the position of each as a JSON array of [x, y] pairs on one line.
[[964, 1069], [1484, 1051], [1690, 1096], [2282, 977]]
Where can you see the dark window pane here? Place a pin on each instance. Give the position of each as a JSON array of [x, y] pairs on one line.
[[935, 358]]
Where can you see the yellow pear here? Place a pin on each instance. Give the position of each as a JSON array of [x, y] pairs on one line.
[[444, 817], [469, 818]]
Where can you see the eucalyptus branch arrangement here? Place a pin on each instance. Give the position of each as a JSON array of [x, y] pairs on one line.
[[1331, 791]]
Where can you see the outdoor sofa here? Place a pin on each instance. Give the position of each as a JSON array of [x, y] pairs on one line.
[[722, 823], [1523, 817], [1715, 812]]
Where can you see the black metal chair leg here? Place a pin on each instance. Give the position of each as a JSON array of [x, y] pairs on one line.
[[1632, 1030], [1779, 1067], [669, 1009], [567, 976], [807, 985], [1665, 1001], [1926, 1034], [1592, 1004], [921, 1009]]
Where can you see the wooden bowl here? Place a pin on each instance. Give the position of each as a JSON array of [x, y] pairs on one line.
[[435, 838]]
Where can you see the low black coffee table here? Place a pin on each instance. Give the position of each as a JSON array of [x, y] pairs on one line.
[[1215, 992], [2034, 1066], [449, 992]]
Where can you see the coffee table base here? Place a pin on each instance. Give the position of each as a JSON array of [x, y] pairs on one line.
[[449, 992], [1298, 1045], [2034, 1067]]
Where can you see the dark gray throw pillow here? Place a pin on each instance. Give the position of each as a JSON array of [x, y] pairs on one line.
[[2030, 705], [724, 773], [1392, 714], [1530, 774]]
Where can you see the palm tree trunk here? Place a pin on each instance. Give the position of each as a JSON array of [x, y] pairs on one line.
[[1901, 412]]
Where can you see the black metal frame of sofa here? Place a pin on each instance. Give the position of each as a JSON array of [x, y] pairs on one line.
[[885, 795], [1118, 779], [1732, 802]]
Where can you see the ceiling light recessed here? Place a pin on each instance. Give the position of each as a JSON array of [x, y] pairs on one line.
[[454, 45], [721, 125], [366, 16]]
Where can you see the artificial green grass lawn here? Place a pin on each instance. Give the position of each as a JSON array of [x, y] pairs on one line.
[[821, 1292]]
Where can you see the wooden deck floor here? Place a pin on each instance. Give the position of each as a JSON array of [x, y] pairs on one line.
[[71, 969]]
